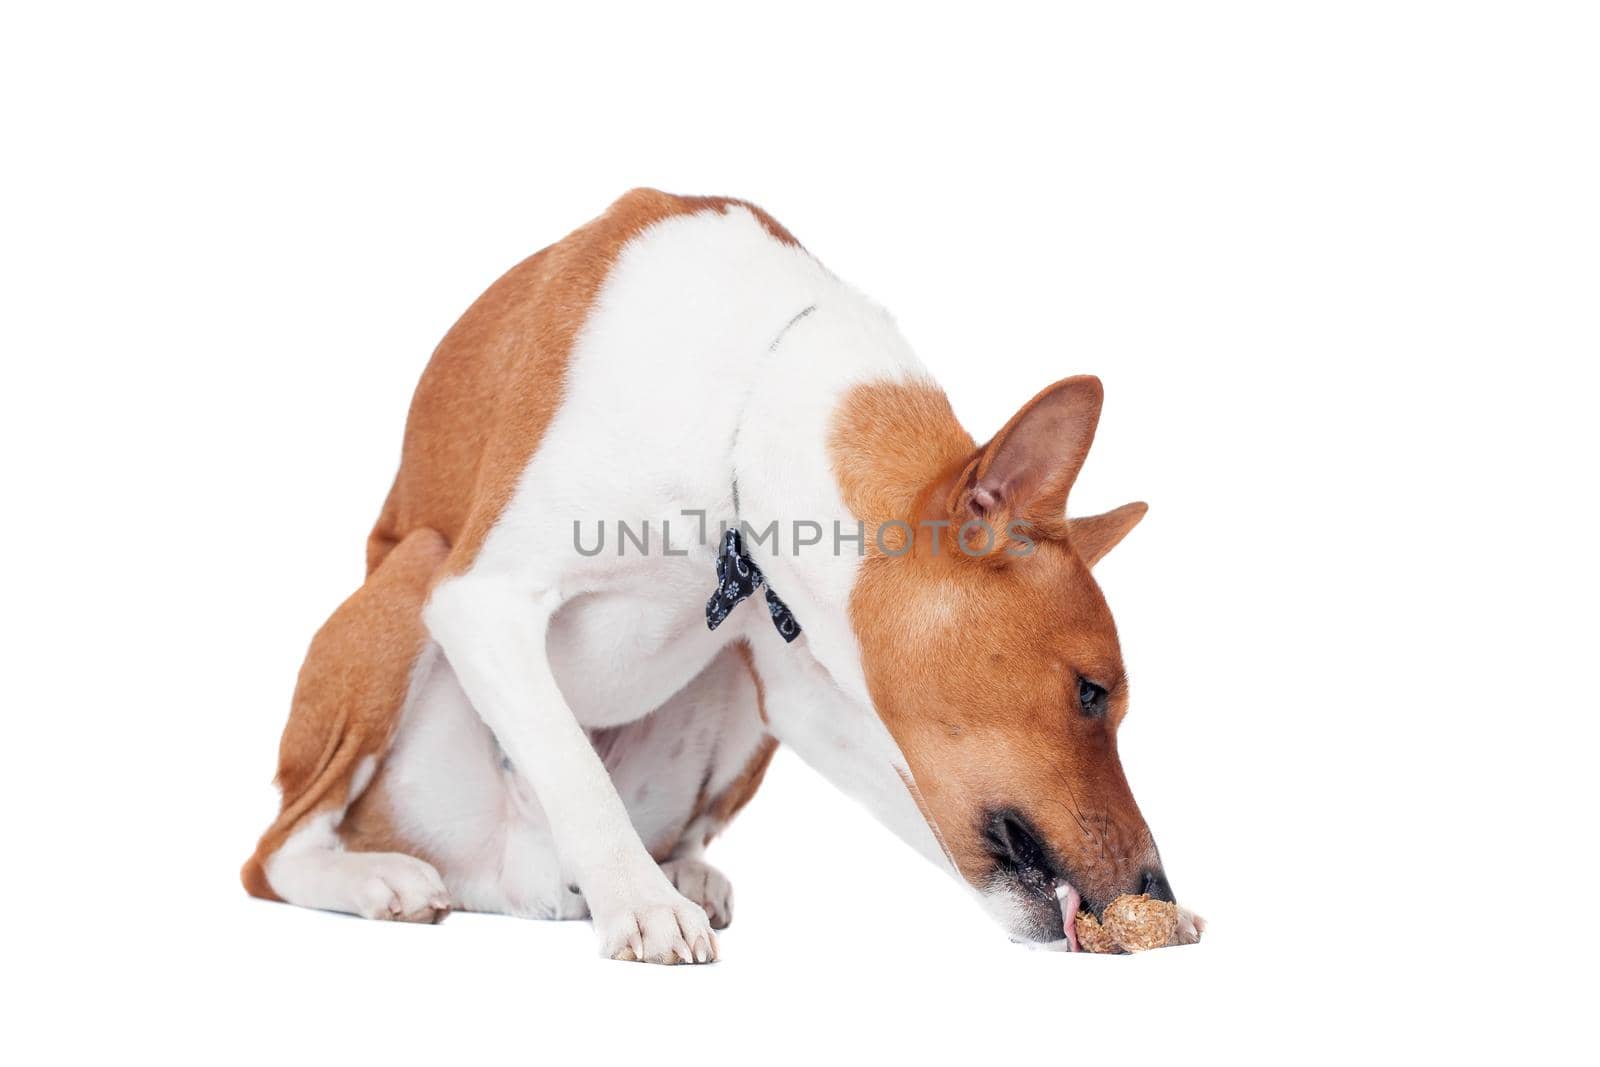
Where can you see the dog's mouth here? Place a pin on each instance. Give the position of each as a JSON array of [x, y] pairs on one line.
[[1030, 892], [1042, 902], [1071, 903]]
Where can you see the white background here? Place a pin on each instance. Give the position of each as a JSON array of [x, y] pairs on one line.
[[1336, 264]]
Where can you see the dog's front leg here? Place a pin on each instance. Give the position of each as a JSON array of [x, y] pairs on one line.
[[493, 634]]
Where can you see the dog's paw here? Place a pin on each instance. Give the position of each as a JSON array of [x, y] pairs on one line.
[[389, 885], [705, 885], [659, 929], [1190, 927]]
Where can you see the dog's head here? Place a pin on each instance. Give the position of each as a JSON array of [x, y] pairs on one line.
[[992, 657]]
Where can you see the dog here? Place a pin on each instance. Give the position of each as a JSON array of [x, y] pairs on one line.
[[549, 694]]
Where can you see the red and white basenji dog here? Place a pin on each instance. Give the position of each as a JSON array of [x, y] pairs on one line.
[[505, 718]]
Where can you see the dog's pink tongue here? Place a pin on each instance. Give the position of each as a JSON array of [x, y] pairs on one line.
[[1069, 917]]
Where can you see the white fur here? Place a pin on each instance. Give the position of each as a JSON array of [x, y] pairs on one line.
[[362, 777], [451, 792], [692, 374], [312, 869]]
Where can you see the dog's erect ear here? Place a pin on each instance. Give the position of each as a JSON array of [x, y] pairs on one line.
[[1095, 535], [1026, 472]]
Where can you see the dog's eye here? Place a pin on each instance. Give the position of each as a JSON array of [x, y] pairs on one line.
[[1091, 698]]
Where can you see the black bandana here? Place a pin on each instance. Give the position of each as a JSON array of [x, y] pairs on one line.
[[738, 577]]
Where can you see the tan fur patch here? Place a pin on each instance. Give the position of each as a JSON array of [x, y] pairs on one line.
[[726, 804], [351, 688], [742, 647], [891, 444], [717, 811]]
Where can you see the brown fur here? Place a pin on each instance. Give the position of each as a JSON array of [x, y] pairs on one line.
[[712, 813], [728, 803], [351, 687], [1095, 535], [742, 647], [973, 662], [477, 417]]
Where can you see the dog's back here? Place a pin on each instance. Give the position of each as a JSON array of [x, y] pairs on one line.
[[497, 380]]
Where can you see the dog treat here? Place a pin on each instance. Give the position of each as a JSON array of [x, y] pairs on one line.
[[1132, 924], [1092, 937]]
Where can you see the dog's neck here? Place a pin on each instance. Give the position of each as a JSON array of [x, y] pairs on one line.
[[808, 456]]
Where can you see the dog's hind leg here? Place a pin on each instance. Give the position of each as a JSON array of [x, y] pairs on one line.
[[347, 705]]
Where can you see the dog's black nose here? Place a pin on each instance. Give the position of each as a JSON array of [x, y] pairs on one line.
[[1156, 884]]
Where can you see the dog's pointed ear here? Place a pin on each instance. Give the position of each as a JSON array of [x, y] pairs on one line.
[[1026, 472], [1095, 535]]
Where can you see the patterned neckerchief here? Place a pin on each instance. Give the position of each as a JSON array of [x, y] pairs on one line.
[[737, 578]]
